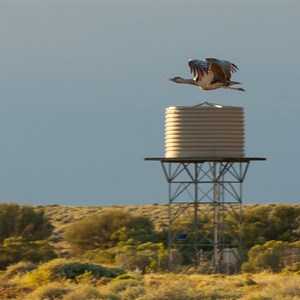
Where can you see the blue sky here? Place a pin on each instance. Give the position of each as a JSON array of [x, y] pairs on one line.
[[83, 88]]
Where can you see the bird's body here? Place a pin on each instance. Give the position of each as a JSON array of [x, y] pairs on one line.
[[210, 74]]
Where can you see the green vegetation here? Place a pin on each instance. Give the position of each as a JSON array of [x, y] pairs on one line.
[[120, 253], [23, 231], [27, 222], [275, 256], [65, 269], [134, 286], [136, 237], [16, 249], [107, 230], [264, 223]]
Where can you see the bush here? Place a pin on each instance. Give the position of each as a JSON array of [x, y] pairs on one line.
[[145, 257], [70, 270], [51, 291], [264, 223], [123, 277], [191, 287], [273, 255], [87, 292], [135, 292], [62, 269], [16, 249], [28, 222], [118, 286], [295, 267], [176, 290], [107, 256], [105, 230], [18, 269]]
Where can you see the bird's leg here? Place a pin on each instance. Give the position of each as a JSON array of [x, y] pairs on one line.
[[233, 88]]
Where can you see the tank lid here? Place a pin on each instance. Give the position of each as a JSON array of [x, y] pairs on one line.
[[205, 104]]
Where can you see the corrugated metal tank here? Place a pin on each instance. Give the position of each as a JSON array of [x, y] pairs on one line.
[[204, 130]]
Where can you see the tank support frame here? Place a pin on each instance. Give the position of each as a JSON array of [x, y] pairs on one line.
[[205, 211]]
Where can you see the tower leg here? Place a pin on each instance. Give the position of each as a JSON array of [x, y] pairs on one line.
[[216, 208], [205, 200]]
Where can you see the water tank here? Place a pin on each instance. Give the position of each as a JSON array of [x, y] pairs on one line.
[[204, 130]]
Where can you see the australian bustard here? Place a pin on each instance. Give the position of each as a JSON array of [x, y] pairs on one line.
[[210, 74]]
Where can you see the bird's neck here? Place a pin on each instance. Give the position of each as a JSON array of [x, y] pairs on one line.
[[185, 81]]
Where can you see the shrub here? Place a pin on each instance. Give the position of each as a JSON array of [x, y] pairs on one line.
[[118, 286], [18, 269], [107, 256], [124, 276], [28, 222], [71, 269], [145, 257], [191, 287], [273, 255], [295, 267], [176, 290], [133, 293], [51, 291], [263, 223], [104, 231], [15, 249], [272, 286], [87, 292], [35, 278], [60, 269]]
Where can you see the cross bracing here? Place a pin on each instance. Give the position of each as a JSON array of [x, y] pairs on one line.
[[203, 198], [205, 209]]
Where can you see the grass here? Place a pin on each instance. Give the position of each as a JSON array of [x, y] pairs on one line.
[[263, 286]]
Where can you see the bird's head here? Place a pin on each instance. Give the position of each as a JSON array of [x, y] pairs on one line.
[[176, 79]]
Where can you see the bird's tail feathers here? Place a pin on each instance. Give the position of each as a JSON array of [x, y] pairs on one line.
[[234, 88], [233, 82]]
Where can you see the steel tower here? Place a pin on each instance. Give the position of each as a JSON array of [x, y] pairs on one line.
[[205, 210]]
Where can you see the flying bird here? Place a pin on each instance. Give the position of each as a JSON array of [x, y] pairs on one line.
[[210, 74]]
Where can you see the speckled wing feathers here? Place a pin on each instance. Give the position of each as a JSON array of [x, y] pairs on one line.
[[226, 65], [198, 67], [222, 69]]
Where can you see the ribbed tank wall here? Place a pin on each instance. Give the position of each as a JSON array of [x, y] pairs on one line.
[[204, 131]]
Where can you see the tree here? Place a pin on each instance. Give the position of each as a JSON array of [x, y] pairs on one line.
[[16, 249], [8, 214], [103, 231], [286, 221], [27, 222], [263, 223], [273, 255]]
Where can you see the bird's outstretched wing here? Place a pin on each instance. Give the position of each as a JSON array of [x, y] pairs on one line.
[[222, 69], [198, 67], [227, 67]]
